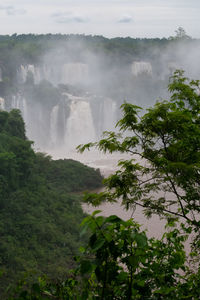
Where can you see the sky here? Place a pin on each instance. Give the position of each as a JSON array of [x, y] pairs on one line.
[[110, 18]]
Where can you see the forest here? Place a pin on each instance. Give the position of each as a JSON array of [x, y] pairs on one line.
[[40, 206]]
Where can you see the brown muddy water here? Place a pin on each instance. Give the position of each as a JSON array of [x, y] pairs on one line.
[[107, 163]]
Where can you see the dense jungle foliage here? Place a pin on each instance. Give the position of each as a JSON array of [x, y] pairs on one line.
[[40, 208], [120, 261]]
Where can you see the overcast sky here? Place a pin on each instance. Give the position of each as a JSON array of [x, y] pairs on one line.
[[111, 18]]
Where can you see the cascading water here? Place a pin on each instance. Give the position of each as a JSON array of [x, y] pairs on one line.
[[141, 67], [2, 104], [20, 103], [24, 70], [25, 110], [80, 126], [54, 125], [66, 121], [70, 73], [109, 114], [105, 112], [74, 73]]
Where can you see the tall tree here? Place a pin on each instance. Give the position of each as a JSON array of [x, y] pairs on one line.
[[163, 174]]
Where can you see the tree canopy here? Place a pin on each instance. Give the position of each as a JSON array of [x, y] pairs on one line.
[[40, 207], [120, 261]]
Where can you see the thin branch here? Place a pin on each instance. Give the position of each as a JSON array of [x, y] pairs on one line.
[[179, 199], [164, 210]]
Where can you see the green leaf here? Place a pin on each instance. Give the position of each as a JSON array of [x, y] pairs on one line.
[[86, 267], [84, 229], [36, 288], [96, 212], [113, 219], [141, 239], [133, 261], [98, 244], [82, 249]]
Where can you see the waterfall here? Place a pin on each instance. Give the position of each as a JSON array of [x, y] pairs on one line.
[[24, 70], [109, 114], [20, 103], [0, 74], [141, 67], [46, 73], [37, 75], [22, 74], [2, 103], [73, 73], [54, 125], [16, 103], [80, 125], [70, 73], [105, 115], [25, 110], [172, 66]]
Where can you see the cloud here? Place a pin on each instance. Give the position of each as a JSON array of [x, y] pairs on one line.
[[11, 10], [125, 19], [70, 17]]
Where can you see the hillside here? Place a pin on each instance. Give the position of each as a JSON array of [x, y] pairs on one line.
[[40, 208]]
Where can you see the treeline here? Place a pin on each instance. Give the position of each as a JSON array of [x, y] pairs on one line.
[[30, 48], [103, 55], [40, 208]]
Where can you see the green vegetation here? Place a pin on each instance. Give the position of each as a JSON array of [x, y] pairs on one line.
[[40, 208], [163, 174], [17, 50], [120, 261]]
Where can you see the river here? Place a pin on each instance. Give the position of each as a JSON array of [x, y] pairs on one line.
[[107, 163]]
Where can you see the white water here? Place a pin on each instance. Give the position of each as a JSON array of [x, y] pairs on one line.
[[109, 114], [67, 124], [70, 73], [54, 125], [24, 70], [73, 73], [2, 103], [20, 103], [141, 67], [0, 74], [80, 124]]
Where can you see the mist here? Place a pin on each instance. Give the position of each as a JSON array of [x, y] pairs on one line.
[[71, 92]]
